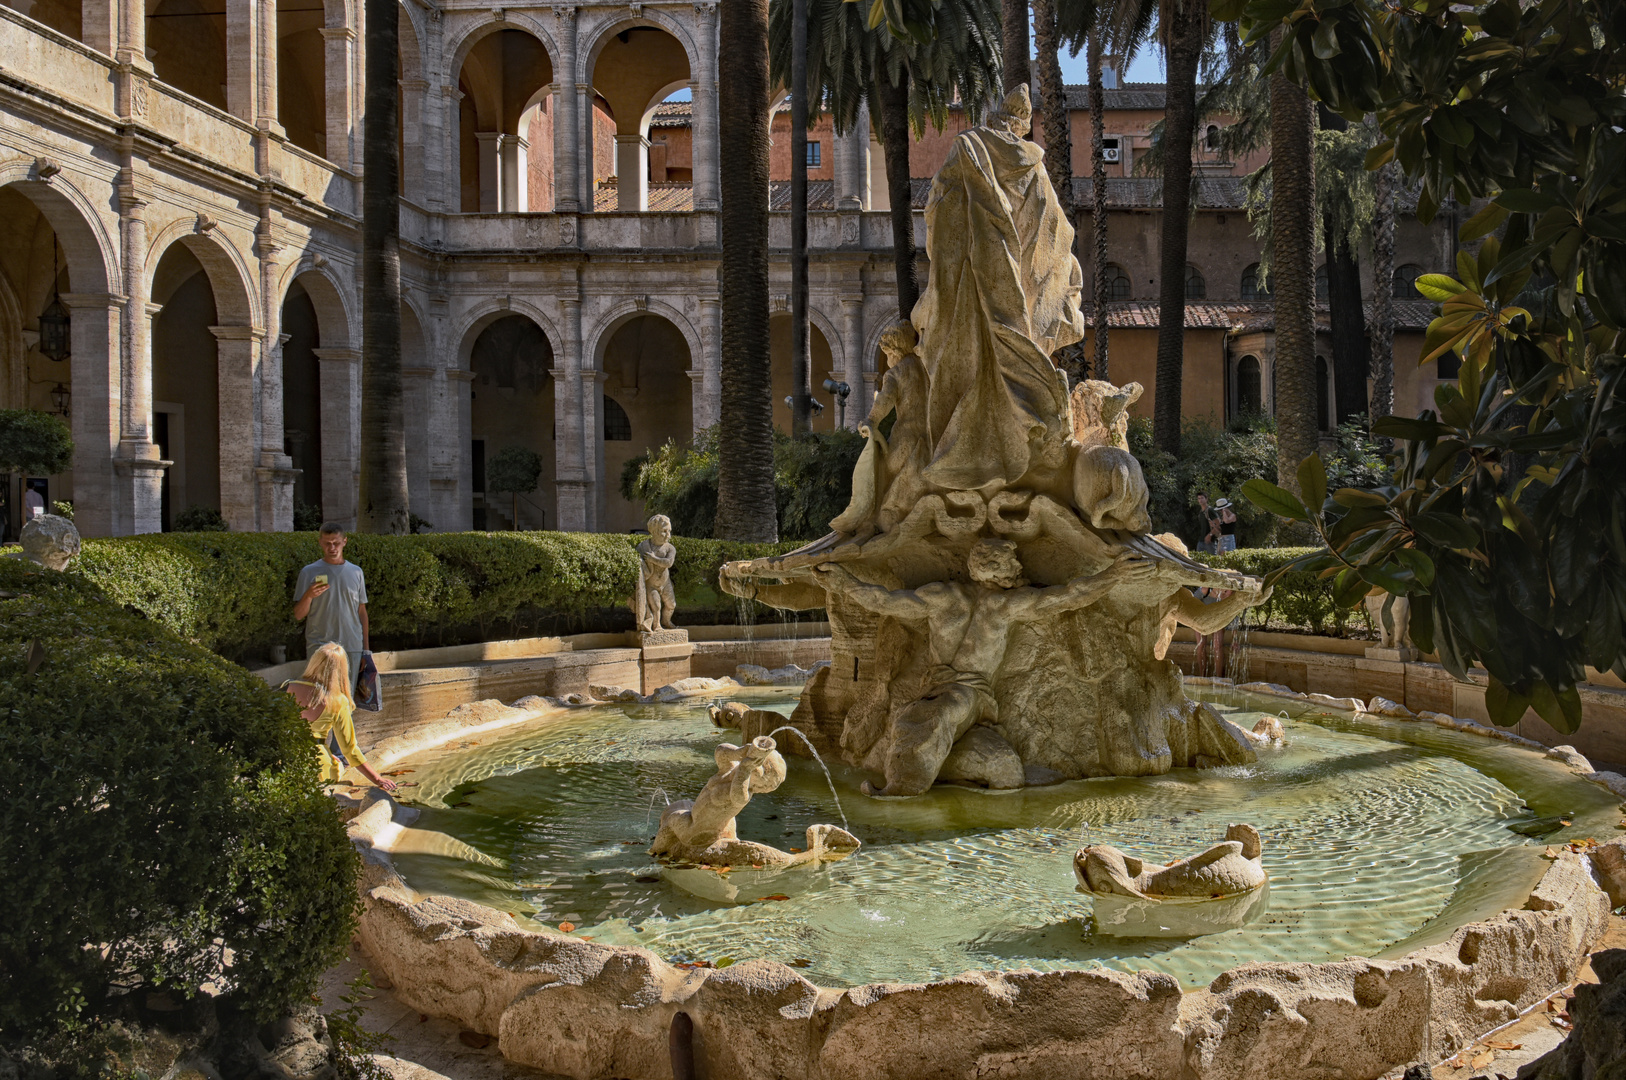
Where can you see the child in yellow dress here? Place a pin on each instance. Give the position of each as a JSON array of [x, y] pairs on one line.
[[323, 694]]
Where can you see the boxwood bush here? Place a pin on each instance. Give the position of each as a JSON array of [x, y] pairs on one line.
[[1299, 602], [161, 822], [232, 592]]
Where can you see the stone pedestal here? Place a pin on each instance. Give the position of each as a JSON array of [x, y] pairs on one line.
[[1405, 654], [663, 657]]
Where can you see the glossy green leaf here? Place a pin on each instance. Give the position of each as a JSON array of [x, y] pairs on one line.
[[1353, 497], [1439, 287], [1312, 477], [1445, 530], [1275, 500], [1506, 708]]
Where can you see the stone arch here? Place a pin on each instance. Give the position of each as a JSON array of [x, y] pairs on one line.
[[645, 398], [90, 251], [649, 18], [625, 312], [823, 356], [632, 75], [229, 273], [512, 402], [500, 70], [483, 314], [459, 46], [332, 305]]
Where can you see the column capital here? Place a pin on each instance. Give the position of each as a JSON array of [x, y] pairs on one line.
[[337, 33], [88, 301], [631, 139], [237, 333], [340, 355], [419, 372]]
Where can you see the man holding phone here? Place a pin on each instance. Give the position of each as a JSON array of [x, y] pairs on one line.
[[330, 597]]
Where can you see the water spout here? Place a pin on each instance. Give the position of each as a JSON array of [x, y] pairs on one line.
[[817, 758]]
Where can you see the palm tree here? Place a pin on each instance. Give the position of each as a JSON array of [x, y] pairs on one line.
[[906, 76], [801, 375], [1293, 203], [1098, 197], [1058, 136], [1013, 22], [1351, 357], [1383, 304], [1184, 26], [383, 504], [745, 491]]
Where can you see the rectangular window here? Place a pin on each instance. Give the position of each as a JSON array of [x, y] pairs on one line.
[[814, 155]]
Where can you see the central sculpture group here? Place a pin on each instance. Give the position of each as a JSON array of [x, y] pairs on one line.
[[999, 611]]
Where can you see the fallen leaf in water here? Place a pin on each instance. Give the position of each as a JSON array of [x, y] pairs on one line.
[[801, 962], [584, 937], [795, 851], [460, 805], [477, 1039], [724, 869], [1481, 1060], [776, 896], [631, 843], [756, 866], [723, 961], [567, 927], [690, 965], [1550, 853], [1504, 1045]]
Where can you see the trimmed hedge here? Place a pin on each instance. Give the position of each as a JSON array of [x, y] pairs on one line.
[[1300, 600], [159, 811], [233, 592]]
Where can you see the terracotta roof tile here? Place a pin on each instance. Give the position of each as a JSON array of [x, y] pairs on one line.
[[669, 196]]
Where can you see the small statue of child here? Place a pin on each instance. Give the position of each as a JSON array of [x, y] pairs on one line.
[[654, 602]]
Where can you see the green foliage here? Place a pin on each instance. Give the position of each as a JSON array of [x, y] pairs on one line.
[[307, 517], [1299, 600], [515, 469], [354, 1045], [197, 518], [159, 804], [812, 482], [62, 508], [35, 443], [1503, 518], [232, 592], [1212, 461], [415, 525]]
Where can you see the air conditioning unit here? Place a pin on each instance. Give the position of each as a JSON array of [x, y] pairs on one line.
[[1109, 153]]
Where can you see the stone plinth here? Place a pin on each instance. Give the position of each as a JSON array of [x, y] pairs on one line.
[[663, 657]]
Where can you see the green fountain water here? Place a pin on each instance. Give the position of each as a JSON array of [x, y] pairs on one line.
[[1379, 836]]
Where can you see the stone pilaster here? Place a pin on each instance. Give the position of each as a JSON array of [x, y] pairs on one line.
[[852, 351], [102, 495], [132, 44], [566, 143], [703, 91], [275, 473], [585, 194], [708, 404], [417, 390], [632, 172], [489, 148], [514, 151], [453, 473], [236, 347], [339, 48], [340, 392], [572, 475], [265, 77]]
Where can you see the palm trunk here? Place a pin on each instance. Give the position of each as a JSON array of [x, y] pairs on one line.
[[1383, 291], [745, 492], [1058, 136], [1014, 43], [1350, 353], [801, 387], [1098, 196], [1293, 238], [1184, 50], [383, 506], [894, 108]]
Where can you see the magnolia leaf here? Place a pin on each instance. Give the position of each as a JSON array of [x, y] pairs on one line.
[[1275, 500], [1353, 497], [1439, 287], [1418, 563], [1312, 476], [1445, 530], [1405, 427], [1483, 223], [1525, 201]]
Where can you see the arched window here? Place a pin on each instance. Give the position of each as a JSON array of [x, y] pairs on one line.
[[1196, 287], [1323, 407], [1321, 290], [1249, 386], [617, 427], [1118, 287], [1406, 281], [1211, 138], [1253, 288]]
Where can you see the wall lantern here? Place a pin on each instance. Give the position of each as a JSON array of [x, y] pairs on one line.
[[54, 322], [60, 397]]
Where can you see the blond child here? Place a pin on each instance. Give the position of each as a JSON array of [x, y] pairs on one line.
[[323, 695]]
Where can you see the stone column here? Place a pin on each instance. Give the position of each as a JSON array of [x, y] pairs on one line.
[[340, 390], [853, 359], [703, 91], [99, 25], [339, 46], [414, 144], [457, 473], [416, 387], [235, 346], [242, 59], [566, 140], [852, 165], [586, 187], [632, 172], [132, 42], [708, 406], [490, 151], [515, 154], [266, 78], [100, 496], [275, 474], [135, 506], [593, 434], [572, 480]]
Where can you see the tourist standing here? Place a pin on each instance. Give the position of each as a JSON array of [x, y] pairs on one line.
[[330, 597], [1227, 526], [1209, 541]]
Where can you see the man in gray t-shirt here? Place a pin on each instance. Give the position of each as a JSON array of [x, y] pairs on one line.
[[331, 598]]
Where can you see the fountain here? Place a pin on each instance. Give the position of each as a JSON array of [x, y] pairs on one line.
[[1000, 616], [996, 476]]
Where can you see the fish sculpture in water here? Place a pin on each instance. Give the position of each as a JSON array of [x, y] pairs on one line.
[[1217, 889]]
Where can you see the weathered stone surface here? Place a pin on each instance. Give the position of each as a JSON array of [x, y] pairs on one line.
[[1346, 704], [1609, 865], [1382, 706], [1572, 758], [1596, 1048], [789, 675], [769, 1000], [1225, 869], [50, 541], [616, 694], [1028, 1025], [1614, 781], [982, 757]]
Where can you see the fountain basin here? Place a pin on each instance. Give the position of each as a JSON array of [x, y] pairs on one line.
[[1460, 963]]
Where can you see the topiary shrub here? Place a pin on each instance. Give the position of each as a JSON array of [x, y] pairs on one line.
[[161, 824]]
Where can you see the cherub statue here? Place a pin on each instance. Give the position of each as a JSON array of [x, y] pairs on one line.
[[654, 602], [703, 831]]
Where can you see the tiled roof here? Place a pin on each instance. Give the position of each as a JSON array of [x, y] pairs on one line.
[[1135, 96], [664, 195], [1146, 192], [673, 114], [821, 195], [1241, 316]]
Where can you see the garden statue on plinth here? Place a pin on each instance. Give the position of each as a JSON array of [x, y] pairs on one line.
[[946, 664], [703, 831], [654, 602]]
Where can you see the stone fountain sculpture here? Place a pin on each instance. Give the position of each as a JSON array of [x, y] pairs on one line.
[[998, 609], [703, 831], [1219, 888], [654, 602]]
